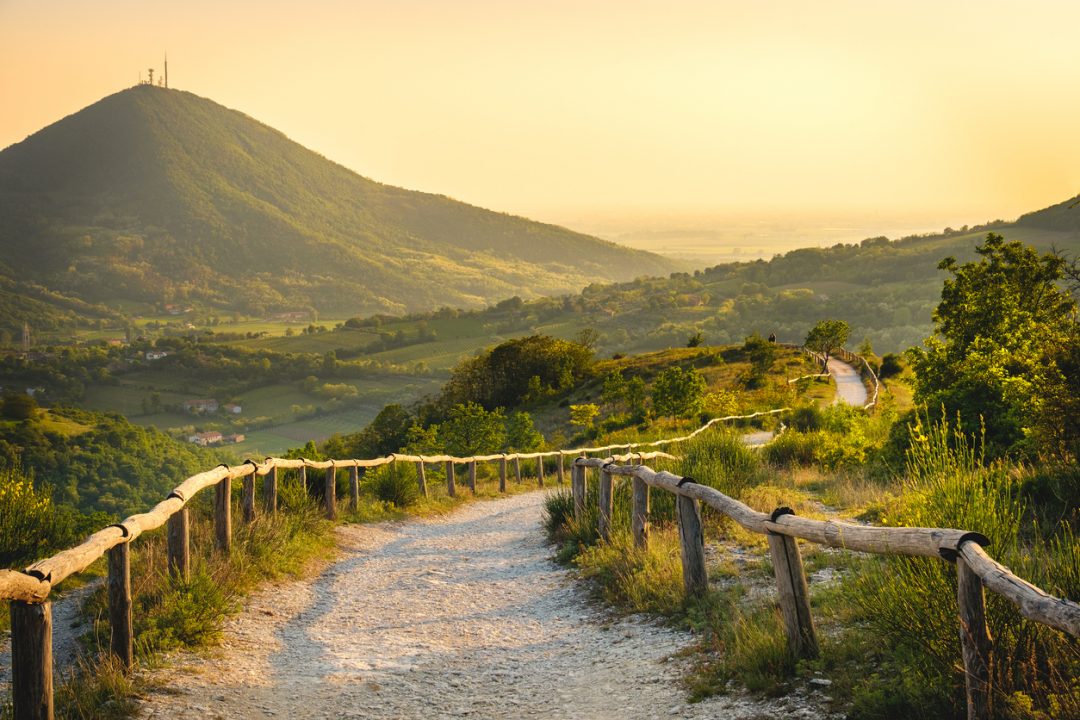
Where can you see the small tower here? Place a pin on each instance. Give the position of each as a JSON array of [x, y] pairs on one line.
[[166, 70], [151, 81]]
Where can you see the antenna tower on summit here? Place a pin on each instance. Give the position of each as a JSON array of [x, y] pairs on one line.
[[166, 70]]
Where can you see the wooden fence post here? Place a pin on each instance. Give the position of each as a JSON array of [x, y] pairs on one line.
[[330, 499], [540, 471], [270, 491], [639, 518], [472, 476], [691, 545], [451, 489], [421, 479], [121, 634], [577, 488], [607, 487], [247, 501], [31, 660], [354, 488], [793, 593], [303, 477], [223, 515], [974, 640], [517, 469], [178, 541], [561, 472], [502, 473]]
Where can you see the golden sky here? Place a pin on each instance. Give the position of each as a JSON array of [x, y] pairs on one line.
[[554, 109]]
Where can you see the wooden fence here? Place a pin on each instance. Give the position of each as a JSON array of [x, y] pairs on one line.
[[28, 591], [975, 569]]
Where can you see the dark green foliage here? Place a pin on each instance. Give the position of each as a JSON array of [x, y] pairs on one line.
[[678, 392], [827, 336], [18, 407], [1006, 349], [512, 372], [152, 195], [521, 433], [891, 365], [468, 429], [114, 467], [762, 354], [394, 484]]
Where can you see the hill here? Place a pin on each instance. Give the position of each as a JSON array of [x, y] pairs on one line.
[[154, 196], [885, 289]]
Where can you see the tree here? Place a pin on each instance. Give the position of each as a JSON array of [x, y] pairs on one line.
[[521, 433], [636, 392], [679, 392], [469, 429], [583, 415], [762, 354], [1004, 348], [18, 407], [695, 340], [826, 337], [387, 433], [614, 390]]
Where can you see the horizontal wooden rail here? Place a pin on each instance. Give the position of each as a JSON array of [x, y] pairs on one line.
[[782, 526]]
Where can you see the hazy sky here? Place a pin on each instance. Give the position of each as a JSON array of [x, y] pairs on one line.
[[967, 110]]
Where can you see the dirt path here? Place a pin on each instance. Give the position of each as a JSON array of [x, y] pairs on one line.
[[457, 616], [849, 385]]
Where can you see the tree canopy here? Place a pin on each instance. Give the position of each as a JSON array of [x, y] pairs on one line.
[[827, 336], [1004, 349]]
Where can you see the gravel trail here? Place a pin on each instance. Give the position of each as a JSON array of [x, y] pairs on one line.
[[462, 615], [849, 384]]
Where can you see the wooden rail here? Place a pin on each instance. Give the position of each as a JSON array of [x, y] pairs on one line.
[[28, 591], [975, 569]]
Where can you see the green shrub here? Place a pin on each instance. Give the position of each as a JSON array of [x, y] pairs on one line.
[[721, 460], [911, 601], [793, 449], [395, 484]]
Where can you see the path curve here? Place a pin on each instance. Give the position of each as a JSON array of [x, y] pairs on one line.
[[454, 616], [849, 385]]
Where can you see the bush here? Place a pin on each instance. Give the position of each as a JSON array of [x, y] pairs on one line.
[[891, 365], [395, 484], [806, 418], [909, 601], [721, 460], [792, 449]]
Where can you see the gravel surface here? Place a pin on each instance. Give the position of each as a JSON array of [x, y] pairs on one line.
[[462, 615], [849, 385]]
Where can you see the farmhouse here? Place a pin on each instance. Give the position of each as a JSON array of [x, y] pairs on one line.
[[206, 405], [203, 439]]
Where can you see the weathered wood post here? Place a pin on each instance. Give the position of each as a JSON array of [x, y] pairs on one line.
[[330, 499], [31, 660], [270, 491], [354, 488], [974, 640], [451, 489], [247, 498], [472, 476], [691, 545], [223, 515], [421, 478], [607, 487], [639, 517], [178, 544], [793, 592], [303, 476], [502, 473], [560, 470], [517, 469], [577, 488], [540, 471], [121, 642]]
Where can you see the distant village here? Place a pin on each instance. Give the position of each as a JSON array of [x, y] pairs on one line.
[[209, 406]]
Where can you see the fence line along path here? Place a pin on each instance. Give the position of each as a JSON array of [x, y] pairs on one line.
[[460, 615]]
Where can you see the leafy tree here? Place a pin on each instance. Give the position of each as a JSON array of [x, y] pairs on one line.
[[1004, 337], [18, 407], [679, 392], [826, 337], [636, 393], [521, 433], [695, 340], [762, 354], [583, 415], [469, 429], [387, 433], [614, 390]]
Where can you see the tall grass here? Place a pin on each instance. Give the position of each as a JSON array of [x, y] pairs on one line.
[[911, 602]]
